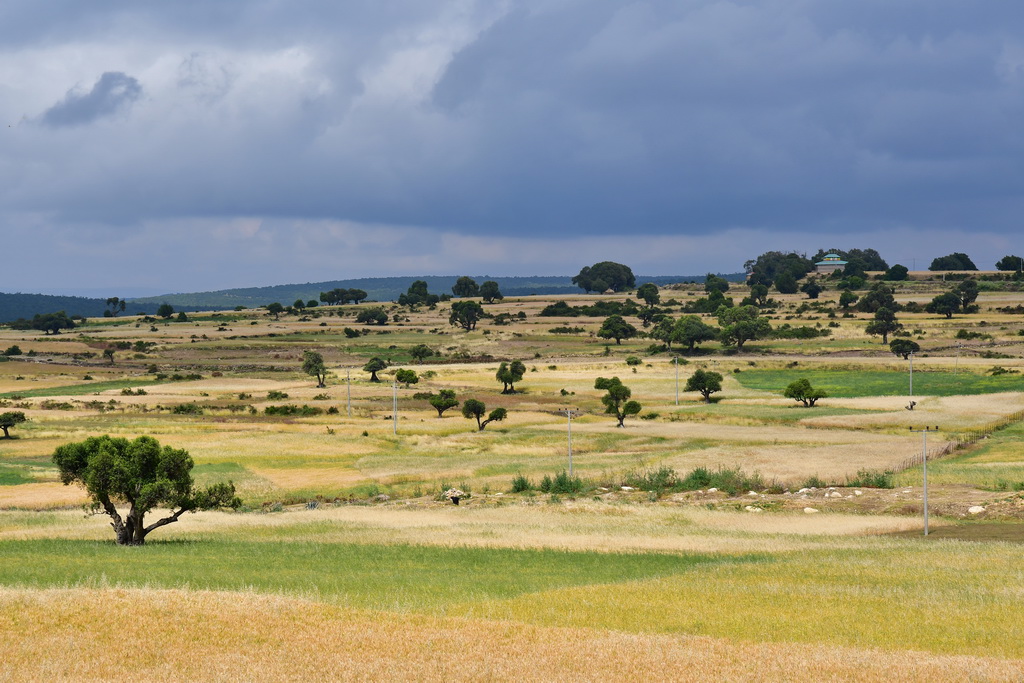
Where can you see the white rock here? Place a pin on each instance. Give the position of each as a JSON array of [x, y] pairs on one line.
[[628, 488], [712, 490], [803, 490], [858, 493], [603, 490], [809, 511], [751, 508], [751, 493], [834, 494], [976, 509]]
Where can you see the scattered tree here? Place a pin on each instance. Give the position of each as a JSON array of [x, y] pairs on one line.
[[165, 310], [967, 292], [904, 347], [373, 366], [1010, 262], [313, 364], [713, 283], [473, 408], [766, 268], [897, 273], [420, 352], [759, 295], [10, 419], [275, 309], [690, 331], [108, 353], [955, 261], [490, 293], [741, 324], [944, 304], [372, 316], [52, 323], [785, 282], [847, 299], [465, 314], [648, 293], [870, 259], [812, 289], [182, 317], [141, 474], [299, 305], [605, 275], [802, 391], [615, 327], [443, 400], [465, 286], [510, 373], [115, 305], [885, 323], [706, 382], [418, 294], [881, 295], [406, 377], [616, 400]]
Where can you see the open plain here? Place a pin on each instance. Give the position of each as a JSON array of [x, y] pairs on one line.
[[799, 555]]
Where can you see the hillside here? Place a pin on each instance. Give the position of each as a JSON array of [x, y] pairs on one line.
[[14, 306], [388, 289]]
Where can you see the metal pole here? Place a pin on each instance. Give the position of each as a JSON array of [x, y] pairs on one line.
[[676, 360], [394, 401], [348, 383], [956, 367], [924, 468], [911, 357], [568, 414]]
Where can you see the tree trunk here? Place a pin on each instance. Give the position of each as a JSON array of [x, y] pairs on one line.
[[7, 434]]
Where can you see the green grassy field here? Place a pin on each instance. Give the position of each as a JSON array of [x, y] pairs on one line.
[[859, 383]]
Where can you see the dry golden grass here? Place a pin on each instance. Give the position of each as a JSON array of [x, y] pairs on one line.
[[130, 635], [41, 495]]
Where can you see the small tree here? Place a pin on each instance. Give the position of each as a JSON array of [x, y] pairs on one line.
[[690, 331], [165, 310], [10, 419], [465, 286], [713, 283], [473, 408], [802, 391], [275, 309], [706, 382], [406, 377], [420, 352], [490, 293], [1010, 262], [108, 353], [508, 374], [904, 347], [786, 283], [967, 292], [759, 295], [373, 366], [372, 316], [465, 314], [116, 305], [616, 400], [741, 324], [847, 299], [313, 364], [299, 305], [615, 327], [897, 273], [812, 289], [885, 323], [648, 293], [443, 400], [944, 304], [141, 474]]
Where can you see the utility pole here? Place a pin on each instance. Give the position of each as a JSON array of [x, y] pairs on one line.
[[676, 361], [394, 403], [348, 387], [924, 466], [569, 414], [910, 357]]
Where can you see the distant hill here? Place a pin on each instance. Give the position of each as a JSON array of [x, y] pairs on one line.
[[388, 289], [14, 306]]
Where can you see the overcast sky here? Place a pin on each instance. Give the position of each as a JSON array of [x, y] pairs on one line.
[[153, 146]]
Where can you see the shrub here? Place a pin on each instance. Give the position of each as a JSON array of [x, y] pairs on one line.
[[563, 483], [292, 410], [187, 409], [275, 395], [633, 360], [521, 484], [872, 480]]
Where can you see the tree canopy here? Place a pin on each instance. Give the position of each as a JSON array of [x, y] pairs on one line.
[[802, 391], [884, 324], [465, 286], [52, 323], [313, 364], [605, 275], [373, 366], [406, 377], [706, 382], [690, 331], [615, 327], [1010, 262], [944, 304], [473, 408], [443, 400], [341, 295], [904, 347], [648, 293], [510, 373], [616, 400], [10, 419], [741, 324], [418, 294], [141, 474], [490, 293], [165, 310], [465, 314], [769, 265], [955, 261], [869, 259], [375, 315]]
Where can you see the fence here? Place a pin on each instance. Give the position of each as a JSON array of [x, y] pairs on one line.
[[965, 439]]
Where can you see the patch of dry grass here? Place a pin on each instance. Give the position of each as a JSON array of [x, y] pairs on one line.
[[81, 634]]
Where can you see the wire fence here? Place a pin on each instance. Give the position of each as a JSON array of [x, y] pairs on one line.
[[961, 441]]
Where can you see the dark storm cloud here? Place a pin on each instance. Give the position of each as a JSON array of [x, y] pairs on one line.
[[575, 118], [112, 91]]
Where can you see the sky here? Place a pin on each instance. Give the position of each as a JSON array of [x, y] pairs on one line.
[[153, 147]]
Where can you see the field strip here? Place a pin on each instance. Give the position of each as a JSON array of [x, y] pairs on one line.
[[78, 634]]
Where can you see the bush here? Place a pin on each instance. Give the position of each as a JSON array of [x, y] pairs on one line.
[[521, 484], [872, 480], [187, 409], [275, 395], [563, 483], [292, 411], [633, 360]]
